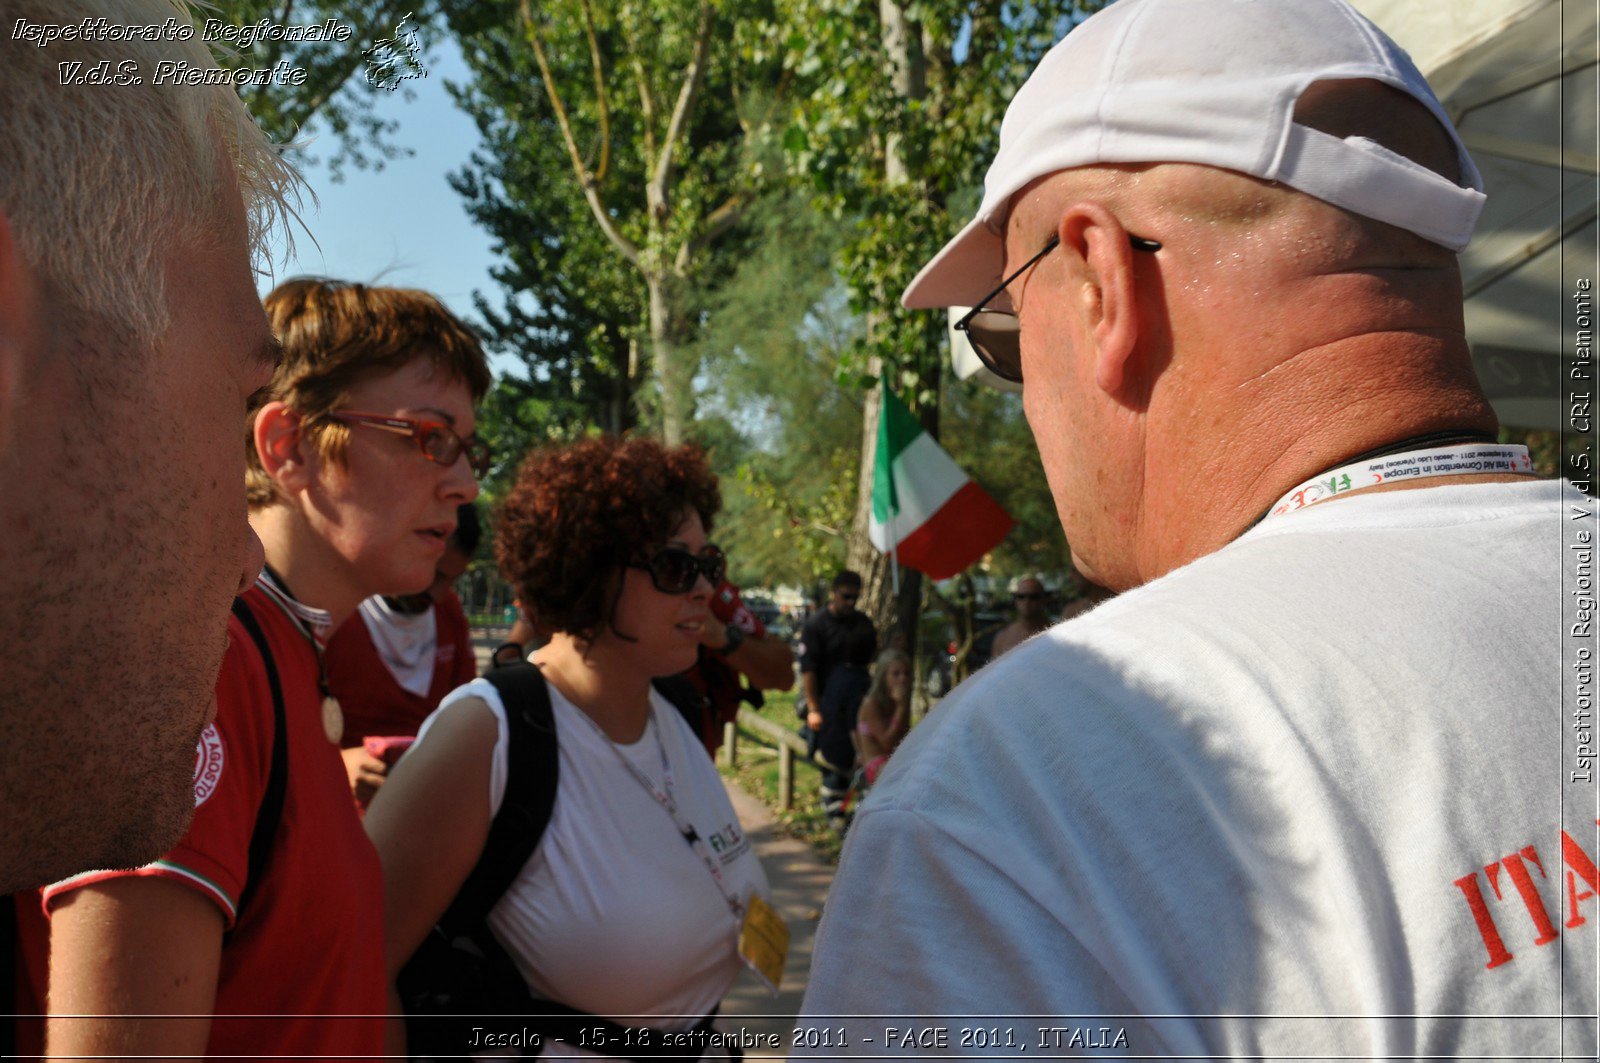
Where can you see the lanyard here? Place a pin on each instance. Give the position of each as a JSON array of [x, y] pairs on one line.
[[1461, 460], [668, 801], [314, 625]]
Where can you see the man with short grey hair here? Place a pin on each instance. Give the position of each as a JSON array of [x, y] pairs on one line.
[[1298, 790], [131, 336]]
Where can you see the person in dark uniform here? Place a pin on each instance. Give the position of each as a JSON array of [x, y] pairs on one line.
[[839, 635]]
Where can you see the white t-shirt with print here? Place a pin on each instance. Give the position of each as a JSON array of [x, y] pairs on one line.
[[615, 913], [1303, 797]]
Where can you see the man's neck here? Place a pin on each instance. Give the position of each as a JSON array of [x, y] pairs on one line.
[[1270, 432]]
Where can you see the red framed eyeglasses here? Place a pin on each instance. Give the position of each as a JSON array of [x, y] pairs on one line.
[[437, 440]]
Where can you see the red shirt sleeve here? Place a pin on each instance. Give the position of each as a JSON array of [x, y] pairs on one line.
[[232, 762]]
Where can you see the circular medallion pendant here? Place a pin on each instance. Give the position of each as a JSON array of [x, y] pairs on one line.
[[332, 718]]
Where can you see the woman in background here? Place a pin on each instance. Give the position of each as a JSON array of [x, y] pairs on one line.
[[885, 714]]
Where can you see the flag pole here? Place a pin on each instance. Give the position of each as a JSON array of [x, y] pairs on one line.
[[888, 467], [894, 554]]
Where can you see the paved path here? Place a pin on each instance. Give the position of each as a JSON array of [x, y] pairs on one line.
[[800, 881]]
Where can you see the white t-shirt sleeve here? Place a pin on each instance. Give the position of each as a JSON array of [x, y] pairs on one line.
[[941, 939]]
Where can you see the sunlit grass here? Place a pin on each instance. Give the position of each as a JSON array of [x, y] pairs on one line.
[[757, 774]]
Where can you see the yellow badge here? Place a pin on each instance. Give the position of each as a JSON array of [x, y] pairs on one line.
[[764, 942]]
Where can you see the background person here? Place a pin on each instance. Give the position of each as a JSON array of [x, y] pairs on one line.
[[885, 714], [1295, 767], [235, 934], [1028, 594], [823, 638], [848, 680], [397, 656], [615, 915], [131, 338], [735, 646]]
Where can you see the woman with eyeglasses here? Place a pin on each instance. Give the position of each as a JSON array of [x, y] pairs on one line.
[[630, 908], [266, 921]]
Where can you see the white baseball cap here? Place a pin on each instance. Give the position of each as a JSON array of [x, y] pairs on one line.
[[1213, 82]]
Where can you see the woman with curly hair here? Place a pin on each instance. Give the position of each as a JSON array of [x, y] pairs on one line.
[[631, 905]]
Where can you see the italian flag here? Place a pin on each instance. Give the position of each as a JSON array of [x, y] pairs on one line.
[[926, 512]]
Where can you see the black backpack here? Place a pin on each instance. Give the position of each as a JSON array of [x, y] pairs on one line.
[[460, 976]]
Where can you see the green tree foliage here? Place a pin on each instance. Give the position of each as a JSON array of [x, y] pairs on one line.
[[769, 353], [623, 140], [567, 307], [336, 98], [900, 127]]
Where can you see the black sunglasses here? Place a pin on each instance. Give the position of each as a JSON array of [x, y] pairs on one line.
[[996, 335], [674, 570], [1027, 596]]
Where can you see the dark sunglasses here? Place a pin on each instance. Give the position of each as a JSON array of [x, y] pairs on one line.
[[437, 440], [674, 570], [1028, 596], [996, 335]]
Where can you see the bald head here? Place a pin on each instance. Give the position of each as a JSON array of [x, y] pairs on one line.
[[1270, 323]]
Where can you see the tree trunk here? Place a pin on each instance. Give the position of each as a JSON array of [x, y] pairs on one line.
[[860, 554], [663, 361], [902, 43]]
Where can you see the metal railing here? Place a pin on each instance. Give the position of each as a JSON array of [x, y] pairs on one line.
[[788, 744]]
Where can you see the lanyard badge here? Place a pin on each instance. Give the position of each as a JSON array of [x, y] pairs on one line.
[[1463, 460], [763, 935]]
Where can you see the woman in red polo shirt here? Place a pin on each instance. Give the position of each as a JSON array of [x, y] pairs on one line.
[[360, 451]]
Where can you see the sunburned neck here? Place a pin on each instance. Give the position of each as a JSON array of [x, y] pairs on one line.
[[1276, 428]]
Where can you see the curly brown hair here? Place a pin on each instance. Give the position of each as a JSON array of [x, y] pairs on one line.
[[580, 512]]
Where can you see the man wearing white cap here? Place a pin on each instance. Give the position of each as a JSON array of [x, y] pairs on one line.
[[1301, 789]]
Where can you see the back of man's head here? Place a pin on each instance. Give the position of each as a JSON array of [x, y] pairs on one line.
[[1245, 208]]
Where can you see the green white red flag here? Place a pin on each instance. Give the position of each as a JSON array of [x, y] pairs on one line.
[[926, 512]]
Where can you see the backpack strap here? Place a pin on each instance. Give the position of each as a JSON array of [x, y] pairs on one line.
[[532, 763], [270, 811]]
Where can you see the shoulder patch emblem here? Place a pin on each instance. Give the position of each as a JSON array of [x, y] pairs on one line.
[[208, 761]]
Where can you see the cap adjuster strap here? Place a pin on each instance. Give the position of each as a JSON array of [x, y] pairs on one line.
[[1391, 188]]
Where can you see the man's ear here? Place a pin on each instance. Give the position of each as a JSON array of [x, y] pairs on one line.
[[1096, 243], [282, 447]]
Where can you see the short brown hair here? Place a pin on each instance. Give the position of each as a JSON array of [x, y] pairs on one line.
[[337, 334], [579, 513]]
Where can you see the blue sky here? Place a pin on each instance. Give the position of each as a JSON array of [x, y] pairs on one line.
[[402, 225]]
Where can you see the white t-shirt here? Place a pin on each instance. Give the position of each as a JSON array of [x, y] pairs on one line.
[[615, 913], [1248, 808], [405, 642]]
